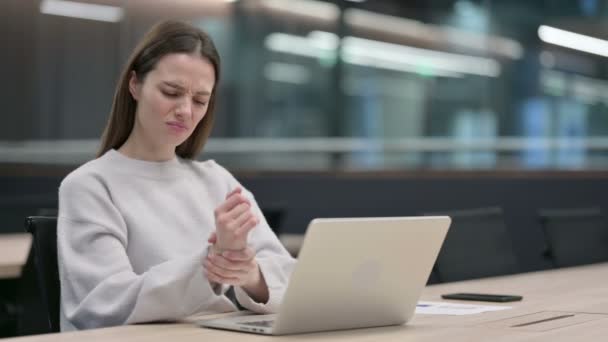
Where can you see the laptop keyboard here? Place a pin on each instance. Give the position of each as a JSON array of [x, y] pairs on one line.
[[265, 324]]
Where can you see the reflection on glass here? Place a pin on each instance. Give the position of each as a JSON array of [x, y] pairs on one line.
[[316, 85]]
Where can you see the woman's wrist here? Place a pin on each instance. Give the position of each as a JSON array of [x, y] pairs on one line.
[[230, 245], [257, 288], [214, 249]]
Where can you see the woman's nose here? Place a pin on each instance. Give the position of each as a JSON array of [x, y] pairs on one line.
[[184, 109]]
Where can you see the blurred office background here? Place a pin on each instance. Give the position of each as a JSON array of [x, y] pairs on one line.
[[494, 112], [330, 85]]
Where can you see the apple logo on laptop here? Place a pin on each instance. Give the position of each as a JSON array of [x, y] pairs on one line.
[[367, 274]]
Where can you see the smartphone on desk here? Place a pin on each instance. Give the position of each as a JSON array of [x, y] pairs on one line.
[[482, 297]]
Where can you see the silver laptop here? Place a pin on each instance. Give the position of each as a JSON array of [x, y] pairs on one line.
[[352, 273]]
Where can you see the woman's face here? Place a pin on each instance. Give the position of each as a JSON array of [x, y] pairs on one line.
[[172, 99]]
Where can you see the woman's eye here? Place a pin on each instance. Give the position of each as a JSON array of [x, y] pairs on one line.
[[200, 103], [169, 94]]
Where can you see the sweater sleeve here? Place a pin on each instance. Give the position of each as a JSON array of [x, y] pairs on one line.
[[98, 285], [275, 262], [276, 265]]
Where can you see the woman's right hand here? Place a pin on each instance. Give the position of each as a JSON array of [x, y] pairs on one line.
[[233, 221]]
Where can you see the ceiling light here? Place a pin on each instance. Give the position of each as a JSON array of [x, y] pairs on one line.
[[384, 55], [575, 41], [81, 10]]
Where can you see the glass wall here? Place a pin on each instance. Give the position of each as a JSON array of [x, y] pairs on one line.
[[329, 85]]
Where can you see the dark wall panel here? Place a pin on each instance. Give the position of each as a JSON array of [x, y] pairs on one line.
[[306, 196]]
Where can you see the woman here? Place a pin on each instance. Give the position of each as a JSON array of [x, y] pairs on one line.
[[145, 233]]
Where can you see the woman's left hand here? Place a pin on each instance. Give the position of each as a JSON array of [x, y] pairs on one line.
[[237, 268]]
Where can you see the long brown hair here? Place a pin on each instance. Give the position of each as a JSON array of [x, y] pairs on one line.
[[164, 38]]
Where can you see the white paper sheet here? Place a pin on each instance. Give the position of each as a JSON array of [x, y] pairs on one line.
[[445, 308]]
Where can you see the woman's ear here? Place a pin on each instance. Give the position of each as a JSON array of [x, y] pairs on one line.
[[134, 86]]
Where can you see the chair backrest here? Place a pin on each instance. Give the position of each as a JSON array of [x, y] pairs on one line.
[[433, 277], [44, 249], [274, 216], [575, 236], [477, 245]]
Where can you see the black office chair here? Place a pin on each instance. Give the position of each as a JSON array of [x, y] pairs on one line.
[[433, 277], [274, 217], [44, 249], [575, 236], [9, 312], [477, 245]]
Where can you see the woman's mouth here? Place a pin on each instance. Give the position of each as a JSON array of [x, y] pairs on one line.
[[177, 126]]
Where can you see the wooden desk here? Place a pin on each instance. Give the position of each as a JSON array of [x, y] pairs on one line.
[[581, 289], [14, 249]]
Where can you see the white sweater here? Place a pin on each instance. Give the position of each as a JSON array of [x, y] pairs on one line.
[[132, 236]]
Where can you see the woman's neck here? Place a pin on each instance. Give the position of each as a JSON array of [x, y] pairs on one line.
[[135, 147]]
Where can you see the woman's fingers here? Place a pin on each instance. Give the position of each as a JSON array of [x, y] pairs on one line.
[[236, 271], [234, 218], [219, 279], [247, 226], [236, 190], [212, 238], [229, 204], [237, 213], [230, 264], [231, 267], [241, 219]]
